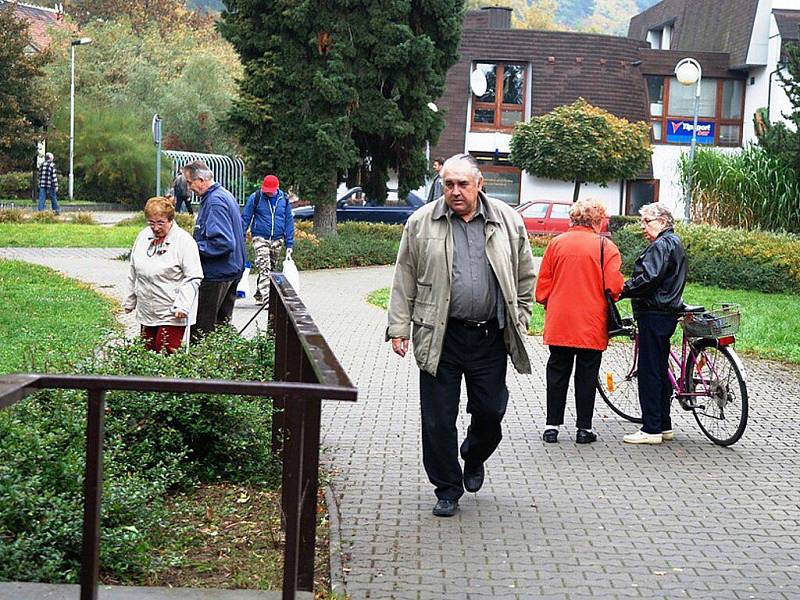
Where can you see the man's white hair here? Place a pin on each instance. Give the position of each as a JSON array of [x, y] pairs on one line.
[[462, 158]]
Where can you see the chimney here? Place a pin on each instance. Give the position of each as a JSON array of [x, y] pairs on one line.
[[499, 17]]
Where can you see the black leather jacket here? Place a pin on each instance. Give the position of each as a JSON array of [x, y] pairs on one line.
[[659, 276]]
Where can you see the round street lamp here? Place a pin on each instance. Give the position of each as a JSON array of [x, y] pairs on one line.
[[79, 42], [689, 72]]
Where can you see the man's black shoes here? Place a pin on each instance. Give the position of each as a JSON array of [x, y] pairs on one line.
[[445, 508], [550, 436], [473, 477], [585, 437]]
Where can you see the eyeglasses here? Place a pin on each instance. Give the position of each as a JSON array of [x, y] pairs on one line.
[[157, 223], [648, 221]]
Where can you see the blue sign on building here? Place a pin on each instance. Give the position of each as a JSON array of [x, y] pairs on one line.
[[679, 131]]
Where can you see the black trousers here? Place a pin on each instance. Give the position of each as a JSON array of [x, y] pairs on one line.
[[214, 306], [479, 355], [655, 387], [179, 200], [559, 368]]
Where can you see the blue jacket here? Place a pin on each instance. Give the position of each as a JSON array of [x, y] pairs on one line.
[[219, 237], [272, 219]]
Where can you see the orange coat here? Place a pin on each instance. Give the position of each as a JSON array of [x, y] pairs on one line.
[[570, 288]]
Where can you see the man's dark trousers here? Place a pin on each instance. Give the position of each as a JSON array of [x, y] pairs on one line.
[[214, 306], [559, 368], [478, 354], [655, 387]]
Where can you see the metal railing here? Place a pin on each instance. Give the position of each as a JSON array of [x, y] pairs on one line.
[[306, 372], [228, 171]]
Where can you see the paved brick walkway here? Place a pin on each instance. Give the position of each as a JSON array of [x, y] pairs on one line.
[[686, 519]]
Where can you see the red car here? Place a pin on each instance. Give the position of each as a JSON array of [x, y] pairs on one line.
[[549, 217]]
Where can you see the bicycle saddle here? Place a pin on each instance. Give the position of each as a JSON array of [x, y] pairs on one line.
[[686, 308]]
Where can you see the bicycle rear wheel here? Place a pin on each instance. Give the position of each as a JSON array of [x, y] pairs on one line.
[[618, 381], [722, 404]]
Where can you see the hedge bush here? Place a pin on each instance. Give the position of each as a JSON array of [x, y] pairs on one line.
[[154, 443], [18, 185], [728, 258]]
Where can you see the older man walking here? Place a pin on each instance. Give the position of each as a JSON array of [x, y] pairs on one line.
[[462, 292], [218, 233], [48, 183]]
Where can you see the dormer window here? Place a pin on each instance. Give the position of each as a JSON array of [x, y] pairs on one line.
[[659, 38]]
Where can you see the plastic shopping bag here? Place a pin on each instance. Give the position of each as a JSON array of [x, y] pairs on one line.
[[243, 289], [291, 274]]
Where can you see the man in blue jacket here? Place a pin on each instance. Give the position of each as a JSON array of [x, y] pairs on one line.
[[218, 233], [270, 214]]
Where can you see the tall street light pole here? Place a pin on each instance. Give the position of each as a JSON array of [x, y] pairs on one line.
[[688, 71], [73, 43]]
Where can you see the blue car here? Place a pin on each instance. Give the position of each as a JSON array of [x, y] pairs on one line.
[[352, 206]]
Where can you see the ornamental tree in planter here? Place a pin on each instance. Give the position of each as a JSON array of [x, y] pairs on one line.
[[581, 143]]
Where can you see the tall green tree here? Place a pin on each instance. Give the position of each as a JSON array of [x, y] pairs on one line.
[[581, 143], [777, 139], [329, 86], [23, 102]]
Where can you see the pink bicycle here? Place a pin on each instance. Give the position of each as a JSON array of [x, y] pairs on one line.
[[707, 377]]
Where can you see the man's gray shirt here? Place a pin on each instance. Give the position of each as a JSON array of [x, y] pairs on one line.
[[473, 296]]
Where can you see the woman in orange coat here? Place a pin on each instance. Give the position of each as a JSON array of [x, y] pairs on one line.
[[570, 286]]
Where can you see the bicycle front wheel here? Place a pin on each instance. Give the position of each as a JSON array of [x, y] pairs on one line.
[[618, 381], [715, 374]]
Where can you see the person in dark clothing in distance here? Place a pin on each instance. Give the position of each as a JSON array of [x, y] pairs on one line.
[[180, 191], [219, 237]]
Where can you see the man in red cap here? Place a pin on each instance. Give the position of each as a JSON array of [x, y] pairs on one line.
[[268, 216]]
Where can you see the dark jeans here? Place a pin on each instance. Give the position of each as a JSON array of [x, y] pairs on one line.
[[179, 200], [655, 388], [51, 192], [214, 306], [559, 368], [479, 355]]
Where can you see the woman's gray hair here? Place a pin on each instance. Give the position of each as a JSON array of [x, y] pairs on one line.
[[49, 156], [467, 158], [657, 210], [587, 213], [197, 169]]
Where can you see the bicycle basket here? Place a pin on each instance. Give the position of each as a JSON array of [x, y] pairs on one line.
[[721, 321]]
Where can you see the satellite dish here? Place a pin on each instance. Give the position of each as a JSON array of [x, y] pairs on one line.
[[477, 83]]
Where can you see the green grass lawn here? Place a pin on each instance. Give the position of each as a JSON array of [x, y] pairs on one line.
[[65, 235], [770, 325], [47, 321]]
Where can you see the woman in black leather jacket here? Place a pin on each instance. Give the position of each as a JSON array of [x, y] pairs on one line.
[[655, 290]]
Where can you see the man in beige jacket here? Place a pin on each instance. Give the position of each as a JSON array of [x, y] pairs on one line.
[[462, 293]]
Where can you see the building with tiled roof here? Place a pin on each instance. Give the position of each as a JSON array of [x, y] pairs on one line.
[[738, 43], [40, 19]]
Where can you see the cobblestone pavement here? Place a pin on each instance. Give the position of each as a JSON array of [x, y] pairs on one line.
[[686, 519]]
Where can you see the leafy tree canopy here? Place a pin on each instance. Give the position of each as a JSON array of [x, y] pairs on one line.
[[329, 84], [23, 101], [188, 76], [525, 14], [167, 15], [776, 138], [582, 143]]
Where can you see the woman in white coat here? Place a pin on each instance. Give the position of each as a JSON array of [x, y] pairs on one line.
[[164, 277]]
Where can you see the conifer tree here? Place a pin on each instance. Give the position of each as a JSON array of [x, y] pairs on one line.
[[331, 85]]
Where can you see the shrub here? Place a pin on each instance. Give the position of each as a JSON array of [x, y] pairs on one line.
[[12, 215], [617, 222], [154, 443], [729, 258], [45, 216], [17, 185], [83, 218]]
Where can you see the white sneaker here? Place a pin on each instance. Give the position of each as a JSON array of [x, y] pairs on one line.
[[668, 435], [640, 437]]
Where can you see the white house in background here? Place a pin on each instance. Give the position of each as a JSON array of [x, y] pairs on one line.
[[737, 42]]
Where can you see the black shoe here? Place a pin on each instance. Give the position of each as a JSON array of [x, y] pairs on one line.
[[585, 437], [473, 477], [445, 508], [550, 436]]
